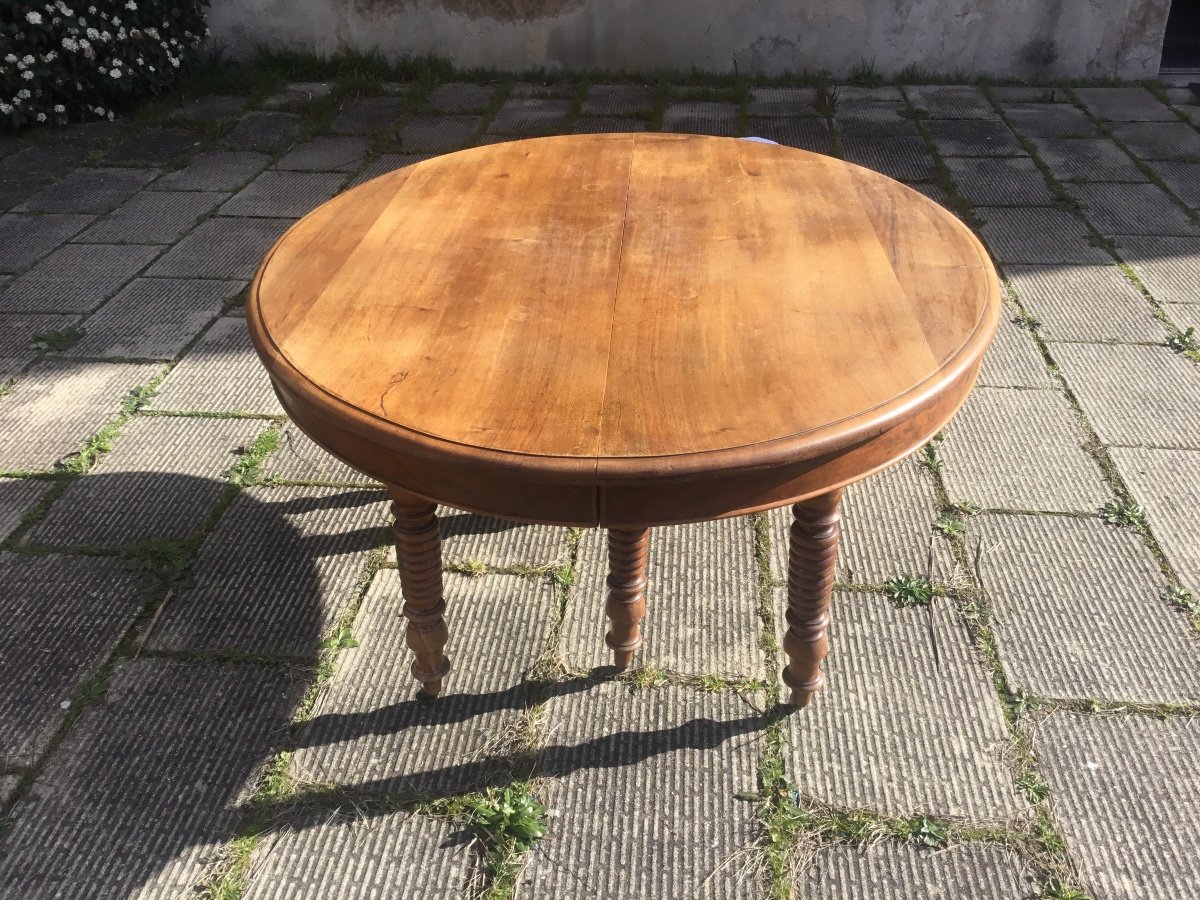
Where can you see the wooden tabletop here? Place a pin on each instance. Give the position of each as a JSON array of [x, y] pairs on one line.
[[624, 307]]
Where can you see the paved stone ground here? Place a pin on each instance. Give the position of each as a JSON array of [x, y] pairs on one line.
[[204, 685]]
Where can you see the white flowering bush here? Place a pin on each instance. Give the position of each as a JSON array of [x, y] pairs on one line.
[[63, 62]]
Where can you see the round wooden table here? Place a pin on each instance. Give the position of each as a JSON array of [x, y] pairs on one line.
[[625, 331]]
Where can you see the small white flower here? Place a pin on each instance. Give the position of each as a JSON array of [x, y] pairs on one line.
[[27, 75], [102, 70], [59, 108], [41, 117], [174, 62], [23, 94], [111, 115], [69, 44], [50, 57], [141, 61], [115, 21], [11, 58], [115, 73], [28, 60], [92, 10], [85, 43], [151, 68], [5, 108], [131, 5], [33, 18], [98, 110]]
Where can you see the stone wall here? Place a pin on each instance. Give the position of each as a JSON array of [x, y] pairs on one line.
[[1014, 38]]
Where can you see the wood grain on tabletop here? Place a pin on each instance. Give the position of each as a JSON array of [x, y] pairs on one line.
[[614, 297]]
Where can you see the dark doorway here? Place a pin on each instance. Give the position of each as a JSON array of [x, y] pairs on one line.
[[1181, 46]]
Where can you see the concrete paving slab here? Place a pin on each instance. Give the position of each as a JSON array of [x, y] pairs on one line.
[[1142, 209], [973, 137], [284, 194], [1006, 94], [854, 93], [26, 239], [326, 153], [368, 115], [607, 125], [1020, 450], [530, 116], [8, 786], [1126, 798], [220, 170], [299, 458], [544, 89], [702, 117], [1167, 485], [1087, 159], [29, 170], [154, 318], [618, 100], [1057, 120], [1000, 182], [1125, 104], [806, 134], [1085, 303], [17, 497], [499, 543], [58, 405], [1134, 396], [908, 722], [149, 785], [162, 480], [76, 278], [266, 132], [459, 97], [950, 101], [63, 616], [702, 607], [1184, 315], [298, 95], [872, 119], [345, 855], [1078, 614], [388, 162], [221, 373], [438, 134], [902, 158], [17, 331], [1183, 178], [782, 101], [369, 731], [1038, 235], [89, 191], [153, 217], [229, 248], [276, 573], [887, 529], [1160, 140], [625, 769], [155, 147], [1014, 359], [211, 107], [890, 870], [1168, 266]]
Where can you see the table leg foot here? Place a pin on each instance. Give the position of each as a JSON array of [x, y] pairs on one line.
[[419, 556], [812, 558], [627, 550]]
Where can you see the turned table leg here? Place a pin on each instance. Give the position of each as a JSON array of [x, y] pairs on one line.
[[419, 555], [627, 550], [811, 560]]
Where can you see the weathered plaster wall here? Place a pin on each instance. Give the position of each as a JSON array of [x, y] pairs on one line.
[[1021, 38]]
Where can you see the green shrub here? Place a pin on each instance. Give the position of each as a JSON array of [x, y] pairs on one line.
[[62, 62]]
